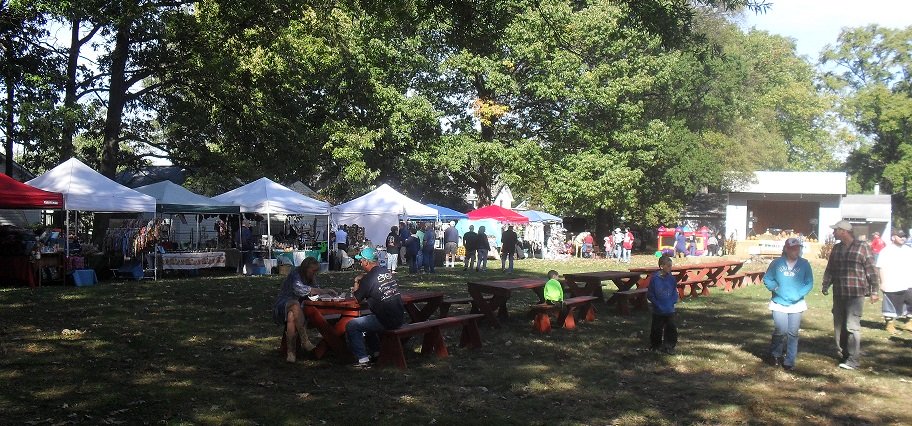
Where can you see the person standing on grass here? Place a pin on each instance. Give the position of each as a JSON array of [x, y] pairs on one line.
[[427, 250], [627, 246], [450, 242], [286, 310], [412, 248], [663, 293], [790, 279], [483, 246], [470, 241], [853, 276], [404, 235], [508, 241], [877, 244], [893, 264], [380, 290], [392, 249]]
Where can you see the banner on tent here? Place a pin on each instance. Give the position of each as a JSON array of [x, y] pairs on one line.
[[213, 259]]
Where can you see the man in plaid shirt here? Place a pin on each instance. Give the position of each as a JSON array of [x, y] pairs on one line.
[[852, 274]]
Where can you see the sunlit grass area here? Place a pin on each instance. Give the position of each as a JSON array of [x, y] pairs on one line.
[[204, 350]]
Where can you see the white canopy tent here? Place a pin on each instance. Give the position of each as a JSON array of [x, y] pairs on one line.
[[378, 211], [267, 197], [85, 189]]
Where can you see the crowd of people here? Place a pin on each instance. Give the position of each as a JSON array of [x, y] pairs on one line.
[[855, 270]]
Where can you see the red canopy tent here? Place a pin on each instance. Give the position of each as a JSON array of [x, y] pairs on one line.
[[17, 195], [497, 213]]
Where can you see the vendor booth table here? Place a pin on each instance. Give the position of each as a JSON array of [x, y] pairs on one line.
[[194, 260]]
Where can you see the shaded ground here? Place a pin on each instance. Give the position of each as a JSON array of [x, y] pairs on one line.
[[204, 350]]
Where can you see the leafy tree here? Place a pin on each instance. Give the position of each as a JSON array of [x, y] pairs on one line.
[[869, 69]]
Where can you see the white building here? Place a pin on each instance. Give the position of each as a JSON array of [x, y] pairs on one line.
[[805, 202]]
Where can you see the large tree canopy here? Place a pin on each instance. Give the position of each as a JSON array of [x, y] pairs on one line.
[[592, 108], [871, 72]]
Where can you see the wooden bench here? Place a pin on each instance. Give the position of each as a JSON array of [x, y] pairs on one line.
[[283, 347], [634, 296], [754, 277], [733, 281], [449, 301], [703, 285], [393, 354], [566, 313]]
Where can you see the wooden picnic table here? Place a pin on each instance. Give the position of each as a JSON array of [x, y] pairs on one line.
[[317, 311], [430, 299], [592, 282], [713, 271], [495, 308]]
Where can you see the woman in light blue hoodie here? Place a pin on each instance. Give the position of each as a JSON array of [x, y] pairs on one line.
[[790, 279]]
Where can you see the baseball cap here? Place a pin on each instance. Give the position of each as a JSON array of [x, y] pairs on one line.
[[842, 224], [368, 253], [792, 242], [899, 233]]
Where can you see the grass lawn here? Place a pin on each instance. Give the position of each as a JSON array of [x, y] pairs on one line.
[[205, 351]]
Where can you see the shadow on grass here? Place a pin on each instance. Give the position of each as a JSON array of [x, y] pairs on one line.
[[205, 351]]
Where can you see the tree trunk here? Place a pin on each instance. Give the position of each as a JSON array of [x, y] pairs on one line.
[[69, 99], [116, 99], [10, 103]]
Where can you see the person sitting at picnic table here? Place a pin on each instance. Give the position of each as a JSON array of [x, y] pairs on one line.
[[380, 290], [790, 279], [554, 291], [663, 293], [300, 283]]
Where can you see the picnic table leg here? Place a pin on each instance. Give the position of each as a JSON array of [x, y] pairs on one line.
[[418, 315], [433, 341], [470, 337], [486, 306]]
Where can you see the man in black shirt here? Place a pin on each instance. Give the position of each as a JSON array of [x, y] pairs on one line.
[[379, 289], [392, 249], [469, 240], [508, 242]]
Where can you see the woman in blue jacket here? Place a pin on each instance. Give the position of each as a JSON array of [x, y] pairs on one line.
[[790, 279]]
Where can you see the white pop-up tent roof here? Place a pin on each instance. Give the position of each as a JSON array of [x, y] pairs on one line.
[[85, 189], [267, 197], [378, 211]]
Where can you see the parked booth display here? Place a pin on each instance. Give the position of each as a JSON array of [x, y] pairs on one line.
[[85, 190]]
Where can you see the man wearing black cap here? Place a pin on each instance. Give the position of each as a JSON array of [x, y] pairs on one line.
[[380, 290], [852, 274]]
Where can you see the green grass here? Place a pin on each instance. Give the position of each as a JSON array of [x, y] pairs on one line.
[[204, 351]]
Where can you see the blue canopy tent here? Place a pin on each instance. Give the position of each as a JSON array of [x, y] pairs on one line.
[[537, 216], [445, 213]]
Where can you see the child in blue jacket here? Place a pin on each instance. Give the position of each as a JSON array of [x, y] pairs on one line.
[[789, 278], [663, 293]]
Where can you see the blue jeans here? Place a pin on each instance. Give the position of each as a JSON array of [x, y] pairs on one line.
[[360, 329], [785, 336], [482, 259], [847, 328], [428, 261]]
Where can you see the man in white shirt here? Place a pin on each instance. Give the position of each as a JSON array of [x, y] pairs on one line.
[[893, 263], [341, 239]]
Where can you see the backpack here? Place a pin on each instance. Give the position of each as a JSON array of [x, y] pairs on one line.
[[390, 241]]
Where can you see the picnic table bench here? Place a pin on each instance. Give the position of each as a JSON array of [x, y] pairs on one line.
[[566, 313], [392, 352], [634, 297]]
